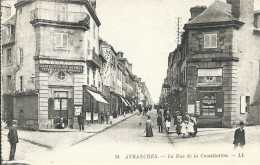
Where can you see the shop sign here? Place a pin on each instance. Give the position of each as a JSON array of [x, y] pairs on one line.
[[88, 116], [198, 107], [191, 109], [59, 68], [78, 110]]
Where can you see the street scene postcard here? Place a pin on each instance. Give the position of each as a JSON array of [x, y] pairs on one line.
[[126, 82]]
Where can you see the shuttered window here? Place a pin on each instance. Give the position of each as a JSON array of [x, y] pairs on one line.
[[210, 40], [61, 40]]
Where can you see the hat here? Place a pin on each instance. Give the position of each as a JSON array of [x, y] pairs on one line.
[[14, 122], [241, 123]]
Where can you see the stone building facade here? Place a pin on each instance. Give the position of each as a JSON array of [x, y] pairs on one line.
[[217, 72]]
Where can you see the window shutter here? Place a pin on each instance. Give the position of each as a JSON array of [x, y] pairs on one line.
[[57, 38], [206, 41], [70, 108], [220, 102], [213, 41], [51, 108], [65, 40], [242, 104]]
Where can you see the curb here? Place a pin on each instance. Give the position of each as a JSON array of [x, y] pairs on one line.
[[35, 143], [98, 132]]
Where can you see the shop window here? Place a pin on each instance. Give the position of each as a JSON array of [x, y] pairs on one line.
[[9, 82], [60, 101], [9, 56], [209, 104], [61, 40], [210, 40]]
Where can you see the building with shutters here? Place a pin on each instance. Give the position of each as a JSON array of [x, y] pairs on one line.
[[214, 73], [54, 62]]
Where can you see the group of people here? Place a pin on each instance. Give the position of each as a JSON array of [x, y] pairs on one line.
[[186, 127], [144, 110]]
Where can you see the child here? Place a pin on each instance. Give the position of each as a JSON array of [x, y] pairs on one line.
[[111, 119], [190, 128], [184, 128]]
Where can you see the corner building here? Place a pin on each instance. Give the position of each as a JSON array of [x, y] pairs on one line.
[[59, 42]]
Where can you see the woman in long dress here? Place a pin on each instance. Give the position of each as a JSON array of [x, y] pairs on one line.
[[149, 127], [184, 128], [190, 127], [168, 121]]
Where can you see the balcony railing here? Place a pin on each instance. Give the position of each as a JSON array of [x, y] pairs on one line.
[[94, 59], [59, 18]]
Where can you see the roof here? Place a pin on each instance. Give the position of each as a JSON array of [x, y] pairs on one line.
[[216, 12]]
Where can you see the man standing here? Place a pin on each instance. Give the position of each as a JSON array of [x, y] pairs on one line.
[[13, 139], [81, 121], [159, 122], [239, 137]]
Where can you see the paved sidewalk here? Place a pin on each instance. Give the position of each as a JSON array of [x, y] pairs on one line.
[[53, 138]]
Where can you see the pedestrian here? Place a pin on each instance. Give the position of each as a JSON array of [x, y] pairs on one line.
[[177, 113], [107, 117], [111, 119], [114, 114], [159, 122], [81, 121], [193, 119], [124, 113], [149, 127], [168, 120], [140, 110], [178, 125], [184, 128], [239, 137], [190, 128], [13, 139], [102, 117], [144, 111]]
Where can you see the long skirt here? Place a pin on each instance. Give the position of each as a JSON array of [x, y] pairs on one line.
[[178, 128], [149, 131], [168, 124]]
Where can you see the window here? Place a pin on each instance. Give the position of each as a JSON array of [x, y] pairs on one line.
[[10, 30], [9, 82], [60, 101], [209, 104], [62, 14], [87, 75], [210, 40], [21, 83], [94, 30], [88, 48], [61, 40], [9, 56], [94, 78], [244, 104], [21, 56], [61, 76]]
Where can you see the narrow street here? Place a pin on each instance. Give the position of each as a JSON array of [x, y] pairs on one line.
[[126, 140]]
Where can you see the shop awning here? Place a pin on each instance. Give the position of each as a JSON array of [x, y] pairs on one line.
[[128, 103], [98, 97], [124, 101]]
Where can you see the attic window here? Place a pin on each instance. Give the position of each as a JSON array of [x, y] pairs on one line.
[[210, 40]]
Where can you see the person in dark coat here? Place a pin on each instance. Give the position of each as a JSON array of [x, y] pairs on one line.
[[13, 138], [107, 117], [102, 117], [81, 121], [159, 122], [239, 137]]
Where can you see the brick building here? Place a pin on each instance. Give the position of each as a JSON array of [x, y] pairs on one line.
[[214, 73]]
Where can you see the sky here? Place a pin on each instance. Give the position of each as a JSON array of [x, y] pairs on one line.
[[145, 30]]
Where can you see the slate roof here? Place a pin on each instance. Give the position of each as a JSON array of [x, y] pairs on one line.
[[217, 12], [10, 21]]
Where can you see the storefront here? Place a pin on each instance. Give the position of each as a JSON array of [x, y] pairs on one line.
[[93, 104]]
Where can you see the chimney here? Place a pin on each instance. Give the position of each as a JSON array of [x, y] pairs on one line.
[[197, 10], [242, 9], [120, 54]]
